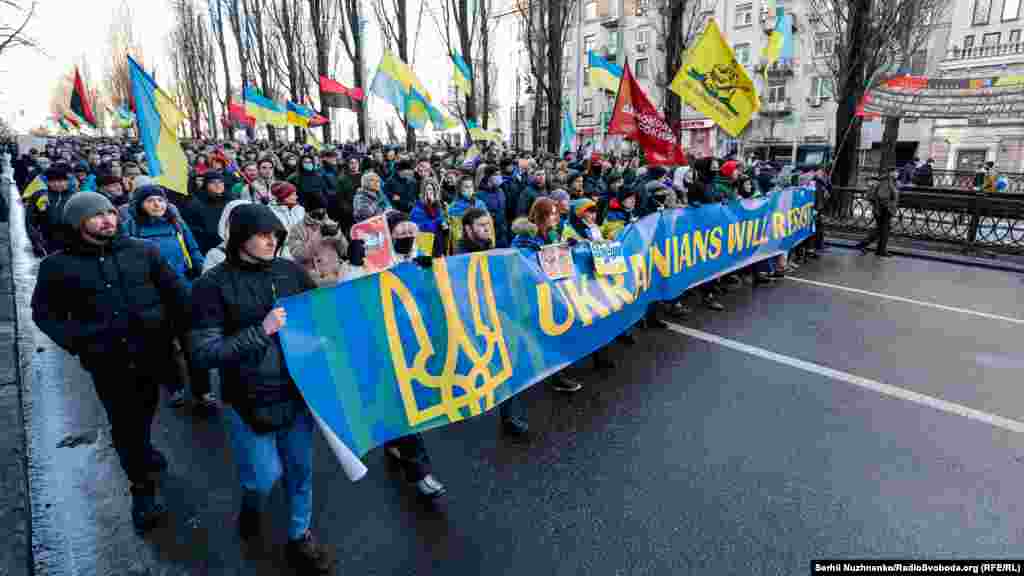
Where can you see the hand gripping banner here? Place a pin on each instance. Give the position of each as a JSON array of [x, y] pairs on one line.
[[411, 349]]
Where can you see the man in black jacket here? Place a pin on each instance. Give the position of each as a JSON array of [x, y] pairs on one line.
[[202, 213], [235, 324], [106, 299]]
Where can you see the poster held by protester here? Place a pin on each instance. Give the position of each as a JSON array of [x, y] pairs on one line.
[[376, 237], [608, 258], [556, 261]]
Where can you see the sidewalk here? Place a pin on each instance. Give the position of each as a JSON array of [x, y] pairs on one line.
[[15, 526]]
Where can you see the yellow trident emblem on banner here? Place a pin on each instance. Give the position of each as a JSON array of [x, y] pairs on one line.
[[482, 379]]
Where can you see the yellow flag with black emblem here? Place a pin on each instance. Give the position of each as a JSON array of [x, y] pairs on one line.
[[715, 84]]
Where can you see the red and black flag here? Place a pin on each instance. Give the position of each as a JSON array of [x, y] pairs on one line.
[[80, 102], [335, 95]]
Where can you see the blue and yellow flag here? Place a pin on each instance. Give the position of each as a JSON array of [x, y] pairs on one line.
[[263, 109], [394, 80], [462, 75], [417, 110], [158, 120], [713, 83], [568, 134], [38, 183], [604, 74], [299, 115]]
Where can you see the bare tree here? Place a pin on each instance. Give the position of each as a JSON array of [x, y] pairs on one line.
[[546, 23], [193, 67], [352, 41], [323, 20], [394, 23], [13, 23], [287, 34], [121, 43], [457, 27], [870, 38], [679, 24], [217, 13]]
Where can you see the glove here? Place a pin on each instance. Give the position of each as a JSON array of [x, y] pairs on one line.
[[356, 252], [424, 261]]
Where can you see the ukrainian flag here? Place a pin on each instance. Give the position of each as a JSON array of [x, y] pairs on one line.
[[264, 109], [299, 115], [417, 110], [604, 74], [38, 183], [394, 80], [158, 119], [462, 75]]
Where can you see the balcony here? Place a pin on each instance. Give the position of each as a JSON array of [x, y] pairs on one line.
[[777, 109], [779, 69], [980, 52]]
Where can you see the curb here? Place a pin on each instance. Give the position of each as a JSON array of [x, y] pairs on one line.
[[15, 509]]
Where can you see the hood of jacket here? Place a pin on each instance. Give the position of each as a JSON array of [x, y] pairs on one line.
[[225, 216], [250, 219]]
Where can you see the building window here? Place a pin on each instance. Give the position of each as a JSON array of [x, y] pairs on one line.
[[823, 46], [990, 39], [1014, 36], [919, 63], [742, 53], [744, 17], [777, 93], [982, 8], [822, 88], [588, 108], [643, 37], [968, 42], [642, 6], [642, 66], [1011, 10]]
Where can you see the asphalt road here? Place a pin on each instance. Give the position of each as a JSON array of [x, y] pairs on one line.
[[692, 457]]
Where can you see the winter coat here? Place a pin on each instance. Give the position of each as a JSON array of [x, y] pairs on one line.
[[108, 304], [314, 189], [218, 253], [203, 216], [174, 240], [289, 217], [887, 192], [513, 188], [495, 201], [303, 239], [402, 192], [341, 211], [228, 307], [368, 204], [527, 198]]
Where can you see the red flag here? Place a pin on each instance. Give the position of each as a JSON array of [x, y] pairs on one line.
[[80, 101], [237, 114], [637, 119], [335, 95]]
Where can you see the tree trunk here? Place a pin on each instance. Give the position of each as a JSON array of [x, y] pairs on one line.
[[554, 25], [485, 63], [850, 93], [359, 78], [219, 27], [673, 60], [401, 14]]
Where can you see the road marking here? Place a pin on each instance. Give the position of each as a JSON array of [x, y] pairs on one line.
[[967, 311], [867, 383]]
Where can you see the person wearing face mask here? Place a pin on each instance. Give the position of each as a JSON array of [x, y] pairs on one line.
[[402, 188], [312, 186], [537, 188], [107, 299], [409, 451], [237, 320], [492, 193], [429, 216], [289, 168], [466, 199]]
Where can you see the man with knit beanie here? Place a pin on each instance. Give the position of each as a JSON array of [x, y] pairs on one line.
[[107, 299]]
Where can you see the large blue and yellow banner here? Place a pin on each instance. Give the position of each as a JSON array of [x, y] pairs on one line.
[[410, 349]]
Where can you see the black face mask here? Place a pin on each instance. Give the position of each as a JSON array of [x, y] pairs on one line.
[[403, 246]]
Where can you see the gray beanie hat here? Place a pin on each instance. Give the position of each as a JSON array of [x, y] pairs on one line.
[[84, 205]]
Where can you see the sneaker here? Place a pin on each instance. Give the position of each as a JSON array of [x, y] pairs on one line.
[[563, 384], [147, 510], [780, 274], [306, 556], [713, 304], [761, 278], [430, 487], [515, 427], [177, 399]]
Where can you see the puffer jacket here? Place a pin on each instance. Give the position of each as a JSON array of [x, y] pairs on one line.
[[228, 307], [174, 240], [108, 304], [402, 191], [203, 214]]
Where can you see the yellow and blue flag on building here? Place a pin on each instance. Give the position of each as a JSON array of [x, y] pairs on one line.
[[714, 84], [263, 109], [462, 75], [393, 81], [158, 120], [299, 115], [604, 74]]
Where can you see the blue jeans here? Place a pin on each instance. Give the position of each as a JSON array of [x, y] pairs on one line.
[[263, 458]]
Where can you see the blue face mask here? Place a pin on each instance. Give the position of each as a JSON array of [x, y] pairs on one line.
[[307, 166]]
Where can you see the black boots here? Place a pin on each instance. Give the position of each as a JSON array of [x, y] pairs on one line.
[[306, 556], [147, 510]]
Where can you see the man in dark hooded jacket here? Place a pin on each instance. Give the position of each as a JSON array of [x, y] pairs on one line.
[[107, 300], [315, 190], [203, 212], [236, 320], [401, 188]]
